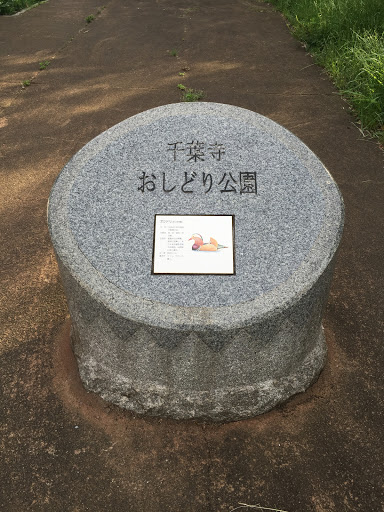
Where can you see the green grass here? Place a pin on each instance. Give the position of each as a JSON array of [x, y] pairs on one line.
[[44, 64], [347, 38], [191, 94], [14, 6]]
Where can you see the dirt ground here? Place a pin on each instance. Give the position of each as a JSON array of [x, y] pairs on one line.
[[63, 449]]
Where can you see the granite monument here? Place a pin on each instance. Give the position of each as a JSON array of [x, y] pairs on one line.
[[196, 244]]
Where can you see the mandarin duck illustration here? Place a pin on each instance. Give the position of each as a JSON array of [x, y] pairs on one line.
[[199, 245]]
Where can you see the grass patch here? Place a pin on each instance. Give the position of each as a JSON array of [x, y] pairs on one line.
[[8, 7], [44, 64], [346, 37], [191, 94]]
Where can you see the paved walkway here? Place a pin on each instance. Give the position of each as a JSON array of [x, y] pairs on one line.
[[65, 450]]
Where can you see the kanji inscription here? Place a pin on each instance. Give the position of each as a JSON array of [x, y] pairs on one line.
[[196, 151]]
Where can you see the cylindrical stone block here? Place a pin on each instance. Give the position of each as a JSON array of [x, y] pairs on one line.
[[221, 344]]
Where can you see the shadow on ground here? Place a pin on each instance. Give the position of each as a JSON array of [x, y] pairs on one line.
[[64, 449]]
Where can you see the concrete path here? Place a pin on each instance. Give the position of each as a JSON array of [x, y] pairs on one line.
[[65, 450]]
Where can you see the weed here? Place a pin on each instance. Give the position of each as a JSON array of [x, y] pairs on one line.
[[181, 74], [181, 87], [192, 95], [26, 83], [44, 64], [90, 18], [173, 52]]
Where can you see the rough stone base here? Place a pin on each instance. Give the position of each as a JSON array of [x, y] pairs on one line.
[[222, 404], [216, 375]]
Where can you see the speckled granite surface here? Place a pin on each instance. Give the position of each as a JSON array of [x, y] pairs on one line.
[[165, 327]]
